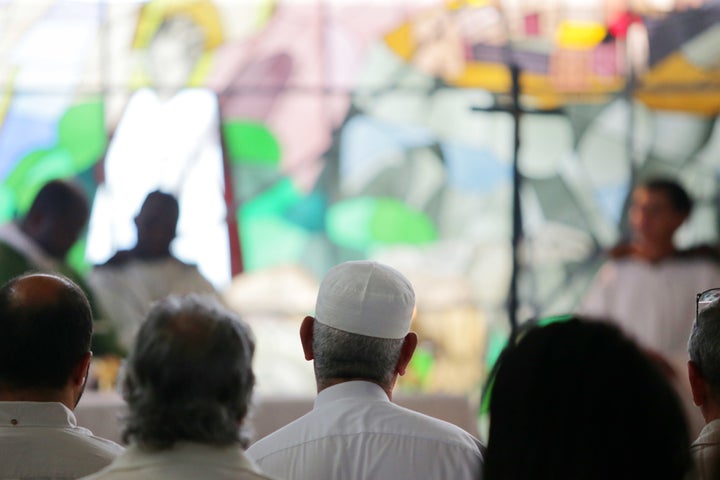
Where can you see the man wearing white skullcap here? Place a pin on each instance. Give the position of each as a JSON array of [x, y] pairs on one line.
[[360, 341]]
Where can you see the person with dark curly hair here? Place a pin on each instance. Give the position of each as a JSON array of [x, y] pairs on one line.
[[188, 385]]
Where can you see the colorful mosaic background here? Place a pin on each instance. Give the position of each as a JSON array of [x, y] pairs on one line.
[[317, 131]]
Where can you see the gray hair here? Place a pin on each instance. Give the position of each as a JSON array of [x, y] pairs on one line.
[[343, 355], [189, 375], [704, 346]]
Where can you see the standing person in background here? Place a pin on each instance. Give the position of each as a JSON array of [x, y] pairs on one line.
[[128, 283], [188, 386], [45, 330], [360, 343], [648, 285], [42, 239]]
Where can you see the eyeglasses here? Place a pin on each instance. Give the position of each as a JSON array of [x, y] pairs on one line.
[[704, 299]]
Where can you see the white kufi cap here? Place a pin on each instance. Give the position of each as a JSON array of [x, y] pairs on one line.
[[366, 298]]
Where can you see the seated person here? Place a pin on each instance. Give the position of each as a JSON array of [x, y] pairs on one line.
[[41, 241], [188, 387], [132, 280], [359, 341], [46, 325], [578, 400]]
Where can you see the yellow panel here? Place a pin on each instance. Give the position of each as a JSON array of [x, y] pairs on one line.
[[700, 103], [676, 84], [580, 35], [203, 12], [496, 78], [401, 41], [490, 76], [676, 70]]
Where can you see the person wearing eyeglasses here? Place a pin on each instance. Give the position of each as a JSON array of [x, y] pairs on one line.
[[704, 375], [647, 286]]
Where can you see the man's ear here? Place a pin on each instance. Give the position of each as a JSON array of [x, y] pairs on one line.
[[80, 372], [697, 384], [306, 336], [408, 348]]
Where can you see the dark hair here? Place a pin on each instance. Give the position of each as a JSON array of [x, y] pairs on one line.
[[578, 400], [189, 375], [59, 197], [42, 334], [167, 200], [679, 198]]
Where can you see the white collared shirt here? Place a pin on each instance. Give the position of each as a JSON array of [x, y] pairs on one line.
[[126, 292], [184, 460], [41, 440], [654, 303], [706, 451], [355, 432]]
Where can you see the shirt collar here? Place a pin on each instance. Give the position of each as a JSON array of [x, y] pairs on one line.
[[186, 452], [710, 434], [36, 414], [351, 390]]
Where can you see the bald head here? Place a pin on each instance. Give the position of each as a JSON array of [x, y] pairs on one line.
[[45, 330]]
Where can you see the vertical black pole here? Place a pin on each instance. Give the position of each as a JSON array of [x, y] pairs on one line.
[[517, 231]]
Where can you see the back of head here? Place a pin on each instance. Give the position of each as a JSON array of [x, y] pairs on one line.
[[363, 313], [579, 400], [156, 224], [704, 347], [45, 329], [189, 375], [57, 216], [678, 196], [163, 202]]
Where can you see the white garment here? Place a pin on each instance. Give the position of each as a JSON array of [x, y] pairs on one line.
[[654, 303], [183, 461], [706, 452], [126, 292], [41, 440], [171, 144], [355, 432]]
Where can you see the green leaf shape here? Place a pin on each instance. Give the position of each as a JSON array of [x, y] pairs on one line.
[[363, 223], [82, 133], [251, 143], [35, 170]]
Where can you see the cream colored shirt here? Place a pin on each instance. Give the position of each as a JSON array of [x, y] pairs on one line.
[[127, 291], [191, 461], [706, 452], [654, 303], [355, 432], [41, 440]]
